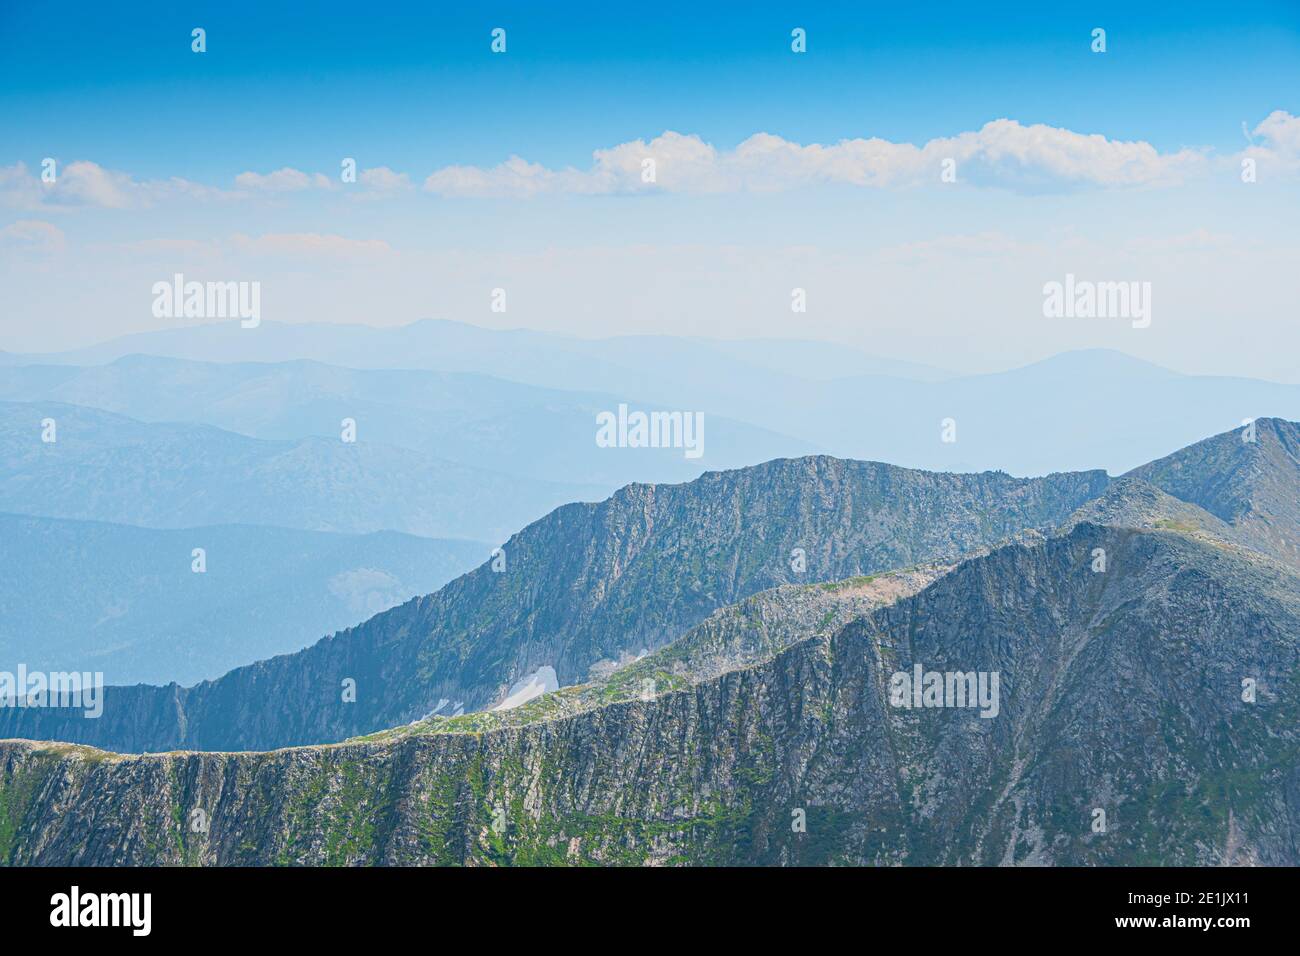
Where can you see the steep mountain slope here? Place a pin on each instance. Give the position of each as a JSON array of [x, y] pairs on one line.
[[1120, 692], [125, 601], [105, 467], [737, 636], [1130, 502], [1249, 480], [587, 585], [477, 420]]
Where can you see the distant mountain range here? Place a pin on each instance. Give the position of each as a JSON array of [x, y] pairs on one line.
[[522, 355], [107, 467], [525, 431], [127, 602], [728, 652], [1075, 411]]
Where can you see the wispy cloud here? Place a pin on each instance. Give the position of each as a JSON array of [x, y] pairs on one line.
[[82, 183], [284, 180], [371, 183], [311, 245], [1002, 154], [383, 179], [32, 236]]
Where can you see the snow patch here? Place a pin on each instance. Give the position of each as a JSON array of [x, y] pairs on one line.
[[539, 682]]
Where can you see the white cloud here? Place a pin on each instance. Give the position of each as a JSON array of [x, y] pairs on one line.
[[89, 184], [19, 189], [1005, 153], [379, 182], [32, 236], [383, 179], [965, 247], [1195, 241], [311, 245], [297, 245], [1280, 132], [514, 177], [1002, 153], [82, 183], [284, 180], [1283, 131], [373, 183]]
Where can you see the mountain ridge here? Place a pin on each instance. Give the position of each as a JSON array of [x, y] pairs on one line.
[[1246, 477], [577, 590], [712, 774], [1149, 672]]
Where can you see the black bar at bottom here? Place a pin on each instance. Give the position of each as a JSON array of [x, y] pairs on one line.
[[534, 906]]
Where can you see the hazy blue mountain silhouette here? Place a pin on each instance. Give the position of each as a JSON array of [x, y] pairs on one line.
[[124, 601], [469, 418], [107, 467], [512, 353], [1072, 411]]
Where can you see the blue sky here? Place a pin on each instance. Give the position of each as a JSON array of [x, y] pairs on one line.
[[226, 164], [288, 84]]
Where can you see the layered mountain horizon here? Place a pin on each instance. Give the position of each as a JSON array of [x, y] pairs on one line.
[[522, 401], [447, 432]]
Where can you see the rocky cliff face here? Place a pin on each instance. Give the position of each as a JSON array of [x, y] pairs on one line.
[[1248, 477], [1120, 692], [588, 584]]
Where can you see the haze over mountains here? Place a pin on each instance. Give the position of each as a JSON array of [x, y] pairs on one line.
[[107, 467], [465, 432], [1088, 409], [528, 432], [1122, 688], [125, 601], [513, 354]]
